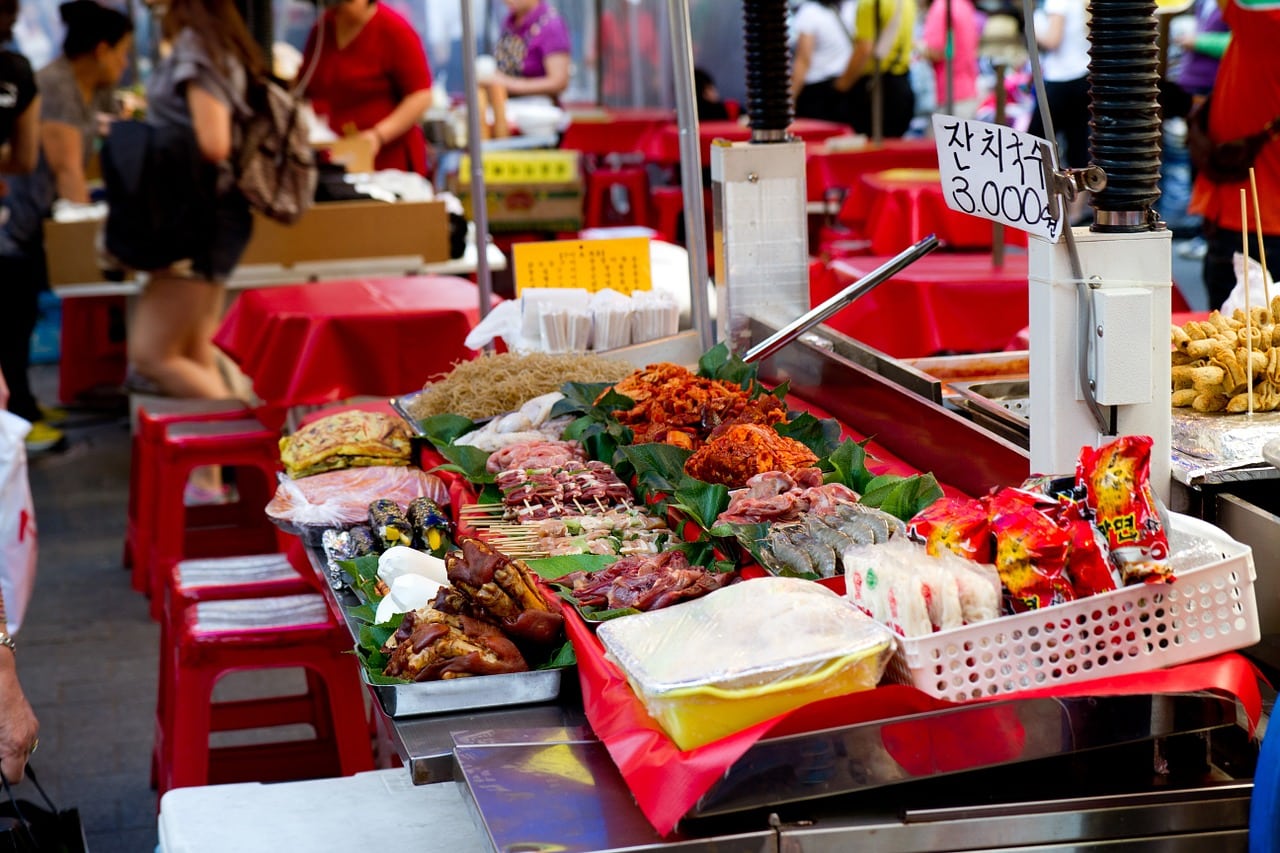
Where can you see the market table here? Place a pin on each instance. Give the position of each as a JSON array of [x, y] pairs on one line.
[[953, 302], [897, 207], [615, 130], [843, 168], [316, 343], [664, 145]]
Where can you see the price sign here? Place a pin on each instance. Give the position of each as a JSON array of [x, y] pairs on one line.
[[619, 264], [994, 172]]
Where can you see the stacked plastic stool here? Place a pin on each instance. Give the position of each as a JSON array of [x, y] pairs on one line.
[[208, 639], [208, 531], [244, 444], [602, 206]]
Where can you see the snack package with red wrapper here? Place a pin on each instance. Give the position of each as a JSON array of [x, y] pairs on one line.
[[1087, 564], [1117, 482], [958, 525], [1031, 550]]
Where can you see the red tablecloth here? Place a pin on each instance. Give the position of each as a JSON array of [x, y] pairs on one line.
[[944, 301], [615, 130], [898, 207], [315, 343], [844, 169], [664, 145]]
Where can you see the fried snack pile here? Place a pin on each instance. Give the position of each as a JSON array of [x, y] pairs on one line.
[[474, 626], [350, 439], [675, 406], [742, 451], [1211, 362]]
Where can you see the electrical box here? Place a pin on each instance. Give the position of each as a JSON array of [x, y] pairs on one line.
[[1122, 347]]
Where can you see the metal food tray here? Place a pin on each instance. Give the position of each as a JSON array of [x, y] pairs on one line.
[[1002, 407], [400, 405], [420, 698]]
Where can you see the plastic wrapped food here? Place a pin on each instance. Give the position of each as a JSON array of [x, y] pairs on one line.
[[339, 498], [1117, 480], [1031, 550], [744, 654], [958, 525], [901, 585]]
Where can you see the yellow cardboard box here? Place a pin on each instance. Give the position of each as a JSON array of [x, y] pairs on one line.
[[527, 190]]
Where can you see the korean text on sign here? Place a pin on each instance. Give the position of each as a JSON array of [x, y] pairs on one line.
[[996, 173]]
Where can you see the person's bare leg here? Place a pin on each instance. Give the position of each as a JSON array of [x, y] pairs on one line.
[[169, 315], [170, 344]]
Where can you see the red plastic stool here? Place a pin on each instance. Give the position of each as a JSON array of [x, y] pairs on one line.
[[602, 183], [219, 637], [152, 416], [183, 448], [216, 579], [93, 345]]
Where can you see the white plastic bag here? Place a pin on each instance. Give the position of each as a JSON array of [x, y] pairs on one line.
[[17, 520], [1247, 270]]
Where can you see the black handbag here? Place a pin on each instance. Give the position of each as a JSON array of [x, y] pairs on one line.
[[26, 827], [1224, 162], [159, 194]]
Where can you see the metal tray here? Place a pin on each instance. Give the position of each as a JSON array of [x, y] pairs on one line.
[[462, 694], [1004, 408]]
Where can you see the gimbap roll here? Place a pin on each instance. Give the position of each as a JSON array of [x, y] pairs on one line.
[[430, 524], [390, 527]]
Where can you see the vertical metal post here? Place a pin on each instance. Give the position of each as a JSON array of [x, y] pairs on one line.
[[950, 56], [997, 229], [479, 199], [690, 168]]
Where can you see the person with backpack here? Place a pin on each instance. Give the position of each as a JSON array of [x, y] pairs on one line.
[[76, 91], [200, 91]]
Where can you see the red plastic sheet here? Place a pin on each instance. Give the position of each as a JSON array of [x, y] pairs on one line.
[[667, 782]]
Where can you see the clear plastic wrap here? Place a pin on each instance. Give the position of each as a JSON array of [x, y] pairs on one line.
[[339, 498], [744, 654]]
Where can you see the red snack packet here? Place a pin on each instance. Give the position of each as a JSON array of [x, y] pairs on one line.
[[958, 525], [1031, 551], [1087, 564], [1117, 482]]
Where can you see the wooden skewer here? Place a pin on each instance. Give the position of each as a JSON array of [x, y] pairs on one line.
[[1248, 316], [1262, 249]]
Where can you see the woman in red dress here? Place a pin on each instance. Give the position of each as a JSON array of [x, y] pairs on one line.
[[371, 78]]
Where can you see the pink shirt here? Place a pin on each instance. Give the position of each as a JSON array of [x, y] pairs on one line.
[[964, 58]]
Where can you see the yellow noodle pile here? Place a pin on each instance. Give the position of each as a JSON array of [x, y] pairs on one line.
[[494, 384]]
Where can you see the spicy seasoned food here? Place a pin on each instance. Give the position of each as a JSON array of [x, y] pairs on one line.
[[744, 450]]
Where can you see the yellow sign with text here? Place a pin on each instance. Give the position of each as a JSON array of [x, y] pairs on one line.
[[620, 264]]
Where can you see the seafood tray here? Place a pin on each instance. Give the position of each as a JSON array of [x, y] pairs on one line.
[[1206, 611], [462, 694]]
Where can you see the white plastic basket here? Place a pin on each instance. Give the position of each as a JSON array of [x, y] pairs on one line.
[[1206, 611]]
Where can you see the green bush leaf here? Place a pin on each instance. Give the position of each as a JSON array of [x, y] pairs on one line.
[[820, 436], [701, 502], [564, 656], [551, 568], [581, 398], [467, 461], [906, 497], [443, 430], [719, 363], [364, 612], [659, 467], [847, 464]]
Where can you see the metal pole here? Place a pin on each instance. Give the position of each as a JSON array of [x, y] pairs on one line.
[[690, 168], [997, 229], [479, 199], [951, 62]]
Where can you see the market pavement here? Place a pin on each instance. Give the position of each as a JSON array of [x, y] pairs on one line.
[[88, 648]]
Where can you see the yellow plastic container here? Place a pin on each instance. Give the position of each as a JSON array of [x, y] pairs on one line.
[[744, 654]]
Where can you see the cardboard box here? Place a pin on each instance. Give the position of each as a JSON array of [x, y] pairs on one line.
[[333, 231], [354, 153], [527, 190], [345, 230]]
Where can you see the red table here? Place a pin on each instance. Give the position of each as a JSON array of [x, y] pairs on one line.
[[898, 207], [942, 302], [615, 130], [843, 169], [664, 145], [316, 343]]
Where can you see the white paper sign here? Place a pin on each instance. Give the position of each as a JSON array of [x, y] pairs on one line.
[[994, 172]]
